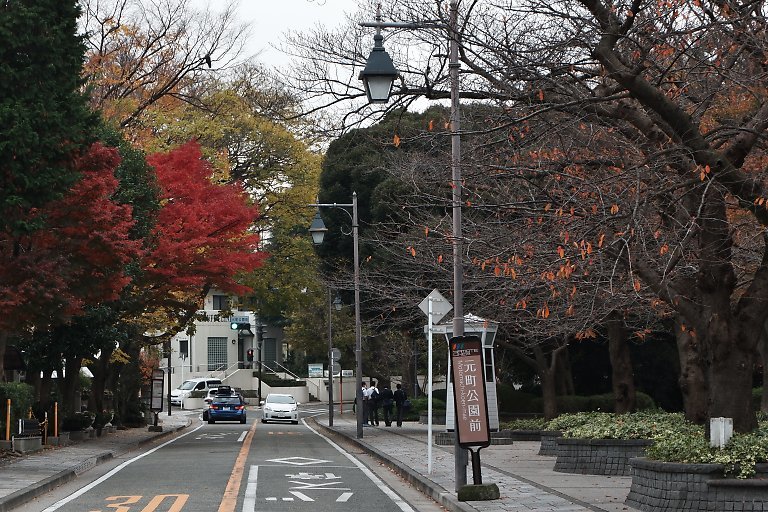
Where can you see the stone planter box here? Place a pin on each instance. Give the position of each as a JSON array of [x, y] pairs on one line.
[[77, 435], [447, 438], [548, 444], [598, 456], [27, 444], [666, 486], [438, 418], [525, 435], [61, 440]]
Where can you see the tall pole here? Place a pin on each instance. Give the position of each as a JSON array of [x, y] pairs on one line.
[[358, 326], [460, 455], [330, 360]]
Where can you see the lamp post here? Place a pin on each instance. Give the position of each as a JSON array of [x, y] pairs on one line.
[[372, 80], [318, 230]]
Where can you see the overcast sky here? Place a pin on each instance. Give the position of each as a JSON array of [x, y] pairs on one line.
[[269, 19]]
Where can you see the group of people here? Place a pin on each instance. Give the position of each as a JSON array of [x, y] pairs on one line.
[[386, 398]]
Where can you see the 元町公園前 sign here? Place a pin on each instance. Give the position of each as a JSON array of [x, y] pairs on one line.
[[471, 405]]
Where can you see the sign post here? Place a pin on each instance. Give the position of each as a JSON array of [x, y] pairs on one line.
[[471, 406], [156, 397]]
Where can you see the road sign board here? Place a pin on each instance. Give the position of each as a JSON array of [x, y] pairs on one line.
[[335, 354], [336, 369], [440, 306]]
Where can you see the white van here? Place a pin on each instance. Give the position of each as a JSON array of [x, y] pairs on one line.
[[188, 386]]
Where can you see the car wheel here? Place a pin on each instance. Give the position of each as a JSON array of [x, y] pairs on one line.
[[242, 420], [205, 415], [263, 420], [211, 421], [295, 422]]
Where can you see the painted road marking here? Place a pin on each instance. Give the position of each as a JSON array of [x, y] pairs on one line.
[[229, 499], [298, 461], [401, 504], [301, 496], [249, 501], [344, 497], [113, 472], [242, 436]]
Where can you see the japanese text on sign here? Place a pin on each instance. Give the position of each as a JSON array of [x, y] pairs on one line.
[[469, 391]]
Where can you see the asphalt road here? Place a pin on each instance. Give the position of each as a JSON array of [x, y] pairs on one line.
[[230, 467]]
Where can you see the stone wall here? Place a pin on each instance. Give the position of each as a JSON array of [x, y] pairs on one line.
[[548, 444], [598, 456], [665, 486]]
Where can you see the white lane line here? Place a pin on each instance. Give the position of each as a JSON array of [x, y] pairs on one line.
[[401, 504], [113, 472], [242, 436], [249, 501]]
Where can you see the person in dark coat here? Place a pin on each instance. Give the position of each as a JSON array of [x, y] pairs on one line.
[[387, 399], [399, 397]]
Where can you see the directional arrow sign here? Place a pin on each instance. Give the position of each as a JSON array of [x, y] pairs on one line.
[[335, 354]]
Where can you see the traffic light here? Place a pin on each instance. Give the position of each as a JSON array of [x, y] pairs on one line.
[[239, 326], [249, 355]]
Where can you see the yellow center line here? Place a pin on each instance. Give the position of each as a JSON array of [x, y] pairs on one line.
[[229, 499]]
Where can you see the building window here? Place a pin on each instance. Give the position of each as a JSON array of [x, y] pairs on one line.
[[488, 365], [183, 349], [220, 302], [217, 354]]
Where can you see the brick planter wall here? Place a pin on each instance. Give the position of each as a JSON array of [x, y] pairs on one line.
[[548, 444], [598, 456], [666, 486]]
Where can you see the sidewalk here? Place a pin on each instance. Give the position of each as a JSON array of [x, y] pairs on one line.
[[29, 476], [526, 480]]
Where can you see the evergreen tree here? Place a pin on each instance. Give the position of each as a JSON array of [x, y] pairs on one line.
[[44, 115]]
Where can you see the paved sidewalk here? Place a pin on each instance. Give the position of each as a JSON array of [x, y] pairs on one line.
[[526, 480], [32, 475]]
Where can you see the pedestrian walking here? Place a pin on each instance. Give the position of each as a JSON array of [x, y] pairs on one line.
[[364, 395], [399, 396], [373, 404], [387, 399]]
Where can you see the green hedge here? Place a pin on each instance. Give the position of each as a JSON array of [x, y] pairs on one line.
[[21, 396], [274, 381]]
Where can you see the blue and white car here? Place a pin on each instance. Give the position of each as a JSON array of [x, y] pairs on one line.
[[280, 407]]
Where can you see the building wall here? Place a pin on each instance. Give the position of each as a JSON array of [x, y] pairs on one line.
[[195, 362]]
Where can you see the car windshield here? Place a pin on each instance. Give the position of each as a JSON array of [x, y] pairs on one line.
[[228, 400], [189, 384], [280, 399]]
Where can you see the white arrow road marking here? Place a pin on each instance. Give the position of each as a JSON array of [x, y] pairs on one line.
[[344, 497], [301, 496], [298, 461]]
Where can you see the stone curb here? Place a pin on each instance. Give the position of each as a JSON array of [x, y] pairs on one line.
[[419, 481], [37, 489]]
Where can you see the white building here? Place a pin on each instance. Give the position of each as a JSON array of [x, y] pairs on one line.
[[218, 350]]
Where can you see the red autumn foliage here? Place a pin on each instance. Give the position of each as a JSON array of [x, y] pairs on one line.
[[79, 255], [202, 236]]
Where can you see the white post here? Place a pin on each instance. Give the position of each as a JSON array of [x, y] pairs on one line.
[[720, 431], [429, 387]]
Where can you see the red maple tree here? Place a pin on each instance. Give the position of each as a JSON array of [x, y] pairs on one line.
[[76, 257], [203, 234]]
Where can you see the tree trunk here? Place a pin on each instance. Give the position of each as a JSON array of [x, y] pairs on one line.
[[730, 366], [622, 374], [3, 345], [565, 386], [763, 349], [547, 371], [693, 380], [69, 385], [100, 371]]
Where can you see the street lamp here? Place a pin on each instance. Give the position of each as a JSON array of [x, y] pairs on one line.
[[318, 230], [460, 455]]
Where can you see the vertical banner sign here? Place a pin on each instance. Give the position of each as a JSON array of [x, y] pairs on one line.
[[470, 402], [156, 399]]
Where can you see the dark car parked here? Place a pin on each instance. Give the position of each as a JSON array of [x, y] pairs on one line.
[[226, 408]]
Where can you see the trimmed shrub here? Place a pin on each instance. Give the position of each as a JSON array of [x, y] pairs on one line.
[[21, 396], [524, 424], [512, 401], [78, 421]]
